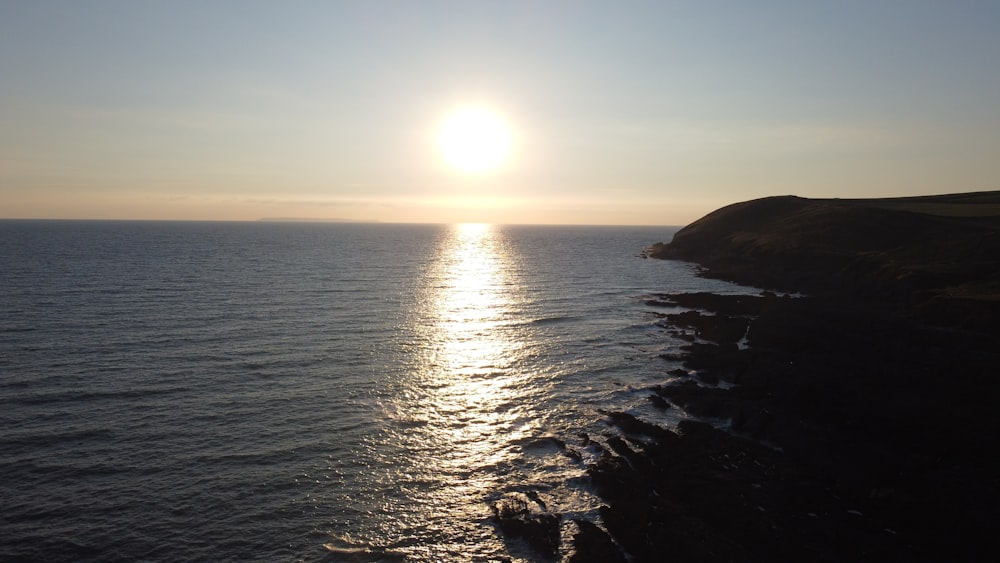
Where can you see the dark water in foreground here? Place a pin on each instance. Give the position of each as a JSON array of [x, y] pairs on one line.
[[278, 392]]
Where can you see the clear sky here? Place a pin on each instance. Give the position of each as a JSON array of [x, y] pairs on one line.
[[618, 112]]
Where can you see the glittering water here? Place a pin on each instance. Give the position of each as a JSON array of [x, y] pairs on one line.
[[257, 391]]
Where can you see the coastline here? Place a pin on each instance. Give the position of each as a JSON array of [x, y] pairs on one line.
[[861, 415]]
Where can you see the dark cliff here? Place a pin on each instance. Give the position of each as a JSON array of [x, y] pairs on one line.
[[939, 254], [861, 415]]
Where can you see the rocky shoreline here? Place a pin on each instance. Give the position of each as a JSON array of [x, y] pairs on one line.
[[856, 422], [847, 434]]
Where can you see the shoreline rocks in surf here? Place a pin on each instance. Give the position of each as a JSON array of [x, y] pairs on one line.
[[855, 423], [846, 433]]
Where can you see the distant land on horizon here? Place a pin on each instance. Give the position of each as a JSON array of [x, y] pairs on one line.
[[313, 220]]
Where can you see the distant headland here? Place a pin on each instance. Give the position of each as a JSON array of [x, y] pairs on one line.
[[941, 253]]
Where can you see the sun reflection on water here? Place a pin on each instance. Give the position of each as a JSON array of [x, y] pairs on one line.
[[473, 348], [465, 398]]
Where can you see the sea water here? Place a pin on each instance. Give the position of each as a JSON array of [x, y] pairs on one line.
[[179, 391]]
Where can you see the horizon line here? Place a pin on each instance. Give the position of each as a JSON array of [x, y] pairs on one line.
[[324, 221]]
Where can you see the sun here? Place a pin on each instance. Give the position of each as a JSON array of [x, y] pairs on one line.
[[475, 140]]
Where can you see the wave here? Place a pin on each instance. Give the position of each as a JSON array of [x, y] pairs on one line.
[[553, 320], [84, 396], [346, 550]]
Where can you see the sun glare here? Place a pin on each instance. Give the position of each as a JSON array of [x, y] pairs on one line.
[[475, 140]]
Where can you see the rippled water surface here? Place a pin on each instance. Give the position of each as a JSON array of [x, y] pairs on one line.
[[280, 392]]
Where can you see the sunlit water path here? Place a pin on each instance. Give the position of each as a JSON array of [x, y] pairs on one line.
[[200, 391]]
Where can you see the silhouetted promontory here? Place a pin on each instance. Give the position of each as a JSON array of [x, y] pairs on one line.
[[939, 253], [855, 420]]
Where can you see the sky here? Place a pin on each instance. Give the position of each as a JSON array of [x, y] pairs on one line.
[[633, 112]]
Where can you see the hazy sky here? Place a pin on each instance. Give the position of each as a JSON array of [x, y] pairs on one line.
[[621, 112]]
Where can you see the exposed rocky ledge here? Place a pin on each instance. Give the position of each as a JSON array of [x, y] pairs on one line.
[[844, 432], [856, 423]]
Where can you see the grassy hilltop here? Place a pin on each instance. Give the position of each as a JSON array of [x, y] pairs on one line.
[[941, 253]]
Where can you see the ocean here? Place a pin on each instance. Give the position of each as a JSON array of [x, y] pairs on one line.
[[199, 391]]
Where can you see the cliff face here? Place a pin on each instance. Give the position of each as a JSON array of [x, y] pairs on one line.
[[921, 250]]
